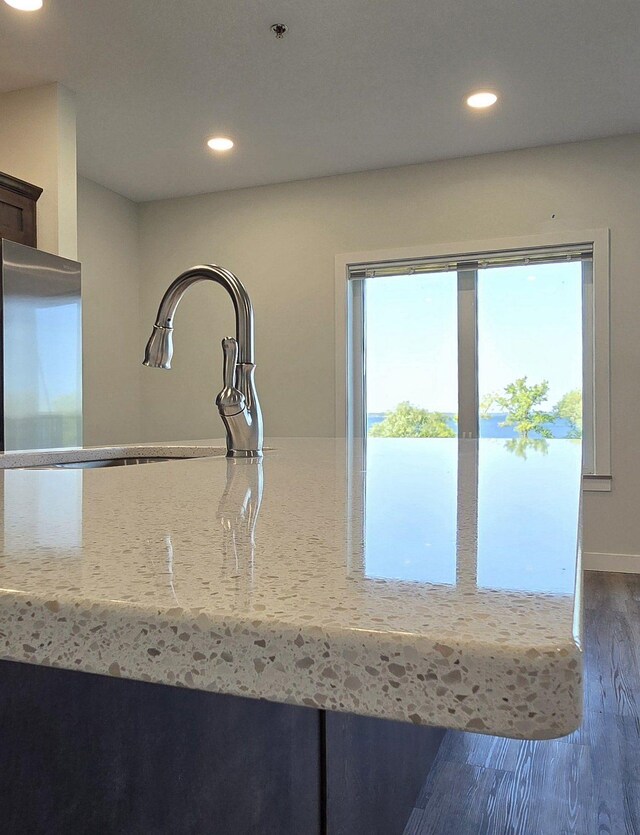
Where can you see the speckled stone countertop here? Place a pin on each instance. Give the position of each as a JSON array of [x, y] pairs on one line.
[[430, 581]]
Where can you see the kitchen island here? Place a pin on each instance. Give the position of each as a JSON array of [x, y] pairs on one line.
[[319, 617]]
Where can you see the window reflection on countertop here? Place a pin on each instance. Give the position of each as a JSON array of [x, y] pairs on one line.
[[468, 513], [42, 513], [319, 520]]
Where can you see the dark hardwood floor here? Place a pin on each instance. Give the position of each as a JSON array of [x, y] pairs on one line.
[[587, 783]]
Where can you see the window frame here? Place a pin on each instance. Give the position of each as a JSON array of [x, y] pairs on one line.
[[350, 336]]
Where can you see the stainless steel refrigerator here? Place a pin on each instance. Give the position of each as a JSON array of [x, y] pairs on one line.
[[41, 318]]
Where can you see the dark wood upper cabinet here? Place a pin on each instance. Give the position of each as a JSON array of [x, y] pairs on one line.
[[18, 210]]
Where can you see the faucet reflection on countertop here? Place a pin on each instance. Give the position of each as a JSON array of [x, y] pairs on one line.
[[238, 512]]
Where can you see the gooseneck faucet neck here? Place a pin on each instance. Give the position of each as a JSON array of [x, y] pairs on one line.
[[225, 278], [238, 401]]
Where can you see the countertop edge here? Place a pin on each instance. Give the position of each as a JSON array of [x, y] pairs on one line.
[[376, 674]]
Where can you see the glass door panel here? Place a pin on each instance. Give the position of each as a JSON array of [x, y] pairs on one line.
[[530, 354], [411, 356]]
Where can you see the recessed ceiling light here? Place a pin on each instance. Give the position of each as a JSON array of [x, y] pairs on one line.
[[25, 5], [220, 143], [481, 99]]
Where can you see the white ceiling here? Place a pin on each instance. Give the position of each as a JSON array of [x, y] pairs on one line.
[[354, 85]]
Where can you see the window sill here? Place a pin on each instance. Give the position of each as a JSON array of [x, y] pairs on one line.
[[596, 483]]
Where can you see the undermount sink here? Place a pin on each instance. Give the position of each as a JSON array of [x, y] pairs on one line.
[[105, 462], [93, 458]]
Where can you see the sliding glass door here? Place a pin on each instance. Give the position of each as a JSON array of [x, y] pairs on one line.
[[496, 347]]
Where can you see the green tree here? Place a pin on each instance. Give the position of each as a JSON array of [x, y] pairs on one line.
[[485, 405], [569, 407], [519, 401], [407, 421]]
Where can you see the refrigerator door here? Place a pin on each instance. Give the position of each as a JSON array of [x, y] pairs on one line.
[[42, 349]]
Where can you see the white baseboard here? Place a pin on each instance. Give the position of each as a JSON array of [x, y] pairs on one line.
[[623, 563]]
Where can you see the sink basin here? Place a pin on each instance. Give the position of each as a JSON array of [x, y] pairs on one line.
[[93, 458], [105, 462]]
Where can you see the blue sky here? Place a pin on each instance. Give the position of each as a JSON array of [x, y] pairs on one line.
[[529, 323]]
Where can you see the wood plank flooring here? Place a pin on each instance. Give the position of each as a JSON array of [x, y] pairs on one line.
[[587, 783]]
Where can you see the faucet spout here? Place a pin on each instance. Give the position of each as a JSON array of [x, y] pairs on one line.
[[237, 403], [235, 288]]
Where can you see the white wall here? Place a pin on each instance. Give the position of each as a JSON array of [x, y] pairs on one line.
[[281, 241], [108, 251], [38, 144]]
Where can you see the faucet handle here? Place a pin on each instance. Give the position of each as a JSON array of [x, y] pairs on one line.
[[230, 401], [229, 361]]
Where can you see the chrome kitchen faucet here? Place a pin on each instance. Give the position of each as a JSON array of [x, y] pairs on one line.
[[237, 403]]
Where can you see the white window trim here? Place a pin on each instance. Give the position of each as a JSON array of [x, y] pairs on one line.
[[599, 306]]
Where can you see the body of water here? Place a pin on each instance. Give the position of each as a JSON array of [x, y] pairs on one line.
[[490, 426]]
